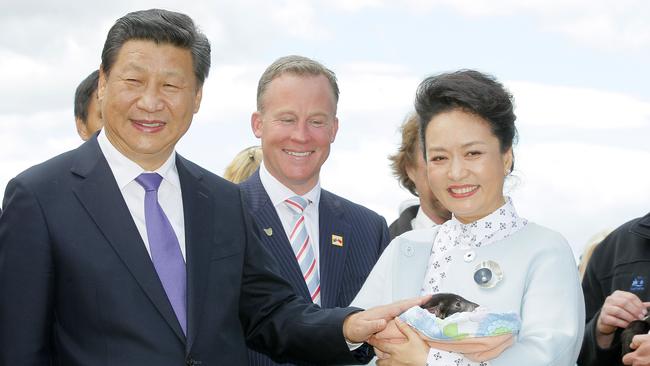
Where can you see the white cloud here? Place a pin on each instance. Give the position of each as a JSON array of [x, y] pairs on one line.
[[231, 87], [14, 67], [360, 172], [601, 24], [35, 83], [606, 31], [373, 87], [356, 5], [552, 105], [597, 175], [29, 139], [298, 18], [579, 189]]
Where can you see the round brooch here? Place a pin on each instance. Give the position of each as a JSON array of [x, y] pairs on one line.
[[488, 274]]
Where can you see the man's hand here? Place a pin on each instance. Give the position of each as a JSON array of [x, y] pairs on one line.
[[641, 355], [620, 308], [358, 327]]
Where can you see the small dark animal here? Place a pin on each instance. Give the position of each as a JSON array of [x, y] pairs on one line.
[[444, 304], [632, 329]]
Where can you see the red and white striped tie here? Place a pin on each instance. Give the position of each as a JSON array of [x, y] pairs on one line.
[[301, 245]]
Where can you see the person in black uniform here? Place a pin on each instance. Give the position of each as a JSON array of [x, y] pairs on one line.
[[617, 292]]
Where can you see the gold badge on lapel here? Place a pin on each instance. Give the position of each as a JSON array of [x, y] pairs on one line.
[[337, 240], [268, 231]]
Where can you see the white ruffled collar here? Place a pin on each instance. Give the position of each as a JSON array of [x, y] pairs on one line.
[[501, 223]]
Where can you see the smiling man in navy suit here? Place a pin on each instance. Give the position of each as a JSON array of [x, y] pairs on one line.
[[122, 252], [326, 245]]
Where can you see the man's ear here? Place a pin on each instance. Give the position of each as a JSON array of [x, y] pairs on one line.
[[335, 129], [197, 99], [257, 124], [101, 84], [82, 129]]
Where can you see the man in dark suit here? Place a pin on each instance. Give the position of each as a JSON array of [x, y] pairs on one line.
[[122, 252], [410, 169], [340, 241]]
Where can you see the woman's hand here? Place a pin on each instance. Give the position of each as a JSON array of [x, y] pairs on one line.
[[412, 352], [641, 355]]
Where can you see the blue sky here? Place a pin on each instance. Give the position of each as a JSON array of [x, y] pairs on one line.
[[577, 68]]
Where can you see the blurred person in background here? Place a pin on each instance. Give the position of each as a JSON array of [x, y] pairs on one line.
[[410, 169], [588, 251], [617, 292], [87, 114], [244, 164]]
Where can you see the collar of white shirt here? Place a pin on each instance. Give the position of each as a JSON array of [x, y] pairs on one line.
[[422, 221], [278, 192], [125, 170]]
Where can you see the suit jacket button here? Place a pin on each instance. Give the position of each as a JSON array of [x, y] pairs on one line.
[[192, 362]]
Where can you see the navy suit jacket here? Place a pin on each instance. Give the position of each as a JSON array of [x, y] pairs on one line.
[[343, 269], [77, 286]]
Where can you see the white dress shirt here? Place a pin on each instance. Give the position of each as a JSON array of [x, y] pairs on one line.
[[169, 193], [278, 192], [421, 221]]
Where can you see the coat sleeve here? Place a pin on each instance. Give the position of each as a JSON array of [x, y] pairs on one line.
[[281, 324], [591, 354], [26, 280], [552, 311]]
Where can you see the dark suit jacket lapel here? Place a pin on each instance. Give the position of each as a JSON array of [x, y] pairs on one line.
[[332, 257], [103, 201], [267, 218], [200, 222]]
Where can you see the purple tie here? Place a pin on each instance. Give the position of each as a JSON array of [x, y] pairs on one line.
[[165, 250]]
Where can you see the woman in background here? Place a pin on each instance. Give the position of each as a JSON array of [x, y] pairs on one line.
[[244, 164], [486, 253]]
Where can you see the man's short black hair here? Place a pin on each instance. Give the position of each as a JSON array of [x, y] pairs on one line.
[[82, 95], [162, 27]]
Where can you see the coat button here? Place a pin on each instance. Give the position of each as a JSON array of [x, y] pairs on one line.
[[408, 250], [469, 256], [192, 362]]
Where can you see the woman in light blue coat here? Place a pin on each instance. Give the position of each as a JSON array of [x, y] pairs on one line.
[[486, 253]]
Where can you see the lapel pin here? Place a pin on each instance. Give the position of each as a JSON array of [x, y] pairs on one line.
[[268, 231], [337, 240]]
